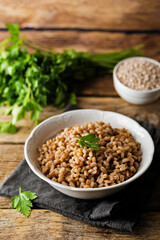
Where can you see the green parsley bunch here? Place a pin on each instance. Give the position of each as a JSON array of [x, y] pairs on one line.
[[30, 81]]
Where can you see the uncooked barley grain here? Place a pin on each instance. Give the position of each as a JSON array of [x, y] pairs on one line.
[[139, 74]]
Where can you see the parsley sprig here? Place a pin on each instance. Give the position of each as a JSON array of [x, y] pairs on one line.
[[90, 141], [22, 202], [30, 81]]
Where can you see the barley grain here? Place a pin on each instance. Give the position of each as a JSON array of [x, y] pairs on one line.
[[117, 160]]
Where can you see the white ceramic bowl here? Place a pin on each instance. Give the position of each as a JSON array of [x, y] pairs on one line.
[[53, 125], [131, 95]]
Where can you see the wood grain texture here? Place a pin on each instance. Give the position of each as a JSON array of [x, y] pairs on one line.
[[44, 224], [12, 155], [118, 15], [149, 113], [5, 203], [14, 226], [25, 126], [103, 14], [152, 204], [94, 41], [102, 86]]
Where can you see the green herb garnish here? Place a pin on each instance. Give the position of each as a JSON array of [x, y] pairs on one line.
[[90, 141], [30, 81], [22, 202], [7, 127]]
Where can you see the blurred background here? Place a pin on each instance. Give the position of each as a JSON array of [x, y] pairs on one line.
[[87, 25]]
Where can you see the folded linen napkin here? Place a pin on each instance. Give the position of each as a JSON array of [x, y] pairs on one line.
[[120, 211]]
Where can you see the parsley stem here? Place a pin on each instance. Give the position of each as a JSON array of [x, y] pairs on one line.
[[30, 81], [20, 191]]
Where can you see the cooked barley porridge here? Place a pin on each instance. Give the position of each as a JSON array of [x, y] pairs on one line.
[[62, 159]]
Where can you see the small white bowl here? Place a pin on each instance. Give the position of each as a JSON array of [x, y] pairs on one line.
[[53, 125], [131, 95]]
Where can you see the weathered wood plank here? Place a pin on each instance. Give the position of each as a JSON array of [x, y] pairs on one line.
[[102, 86], [25, 126], [94, 41], [106, 14], [5, 203], [152, 204], [148, 113], [44, 224], [12, 155]]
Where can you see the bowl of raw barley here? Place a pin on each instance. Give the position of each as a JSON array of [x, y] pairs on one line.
[[137, 80], [89, 153]]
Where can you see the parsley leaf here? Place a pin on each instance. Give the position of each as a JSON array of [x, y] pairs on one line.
[[7, 127], [22, 202], [30, 81], [90, 137], [90, 141], [92, 145]]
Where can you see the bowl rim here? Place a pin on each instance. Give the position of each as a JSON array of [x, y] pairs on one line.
[[76, 189], [132, 89]]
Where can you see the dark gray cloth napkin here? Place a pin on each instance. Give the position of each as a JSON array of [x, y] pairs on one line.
[[120, 211]]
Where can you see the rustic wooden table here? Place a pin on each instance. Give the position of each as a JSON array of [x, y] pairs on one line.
[[88, 26]]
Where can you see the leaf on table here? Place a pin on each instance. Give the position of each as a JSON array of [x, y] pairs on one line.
[[33, 105], [30, 195], [30, 81], [22, 202], [72, 98], [14, 31], [35, 116], [7, 127], [6, 111], [18, 113]]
